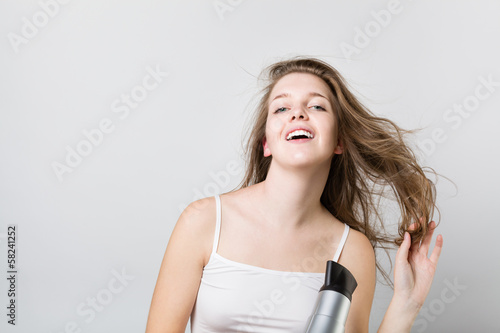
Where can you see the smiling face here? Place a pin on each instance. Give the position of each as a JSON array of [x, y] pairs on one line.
[[301, 100]]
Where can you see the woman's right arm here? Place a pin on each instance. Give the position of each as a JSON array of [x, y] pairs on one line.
[[181, 269]]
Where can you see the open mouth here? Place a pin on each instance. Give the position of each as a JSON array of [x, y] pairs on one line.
[[299, 136]]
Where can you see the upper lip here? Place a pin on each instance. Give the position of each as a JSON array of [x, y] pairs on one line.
[[299, 128]]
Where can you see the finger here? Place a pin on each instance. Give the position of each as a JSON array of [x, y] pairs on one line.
[[402, 254], [436, 252], [426, 242], [412, 226]]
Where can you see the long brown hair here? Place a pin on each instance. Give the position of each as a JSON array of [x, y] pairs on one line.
[[375, 156]]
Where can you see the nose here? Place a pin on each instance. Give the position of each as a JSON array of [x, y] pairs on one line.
[[298, 112]]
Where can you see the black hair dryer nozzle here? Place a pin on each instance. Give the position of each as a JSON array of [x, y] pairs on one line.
[[334, 300]]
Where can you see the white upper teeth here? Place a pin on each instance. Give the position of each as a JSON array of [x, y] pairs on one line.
[[297, 133]]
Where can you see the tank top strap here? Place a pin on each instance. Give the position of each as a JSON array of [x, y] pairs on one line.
[[341, 244], [217, 224]]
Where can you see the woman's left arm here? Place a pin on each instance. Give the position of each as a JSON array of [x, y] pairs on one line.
[[413, 275]]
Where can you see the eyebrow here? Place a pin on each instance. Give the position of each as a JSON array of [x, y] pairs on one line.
[[313, 93]]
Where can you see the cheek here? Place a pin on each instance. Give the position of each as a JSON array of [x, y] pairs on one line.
[[331, 134], [274, 126]]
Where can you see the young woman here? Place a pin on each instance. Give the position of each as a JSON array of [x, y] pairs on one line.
[[253, 259]]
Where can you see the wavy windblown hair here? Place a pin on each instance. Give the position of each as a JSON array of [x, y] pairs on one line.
[[375, 156]]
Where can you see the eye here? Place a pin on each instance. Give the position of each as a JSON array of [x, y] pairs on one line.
[[319, 106], [281, 108]]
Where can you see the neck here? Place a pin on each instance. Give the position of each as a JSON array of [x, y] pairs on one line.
[[290, 197]]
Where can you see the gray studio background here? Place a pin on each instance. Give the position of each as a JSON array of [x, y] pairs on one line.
[[92, 229]]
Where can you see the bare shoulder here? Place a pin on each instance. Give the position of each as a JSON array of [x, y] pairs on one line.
[[199, 210], [182, 268], [197, 222], [358, 248], [358, 257]]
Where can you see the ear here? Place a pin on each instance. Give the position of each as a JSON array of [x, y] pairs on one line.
[[340, 147], [267, 151]]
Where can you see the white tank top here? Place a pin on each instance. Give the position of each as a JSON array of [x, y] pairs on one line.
[[236, 297]]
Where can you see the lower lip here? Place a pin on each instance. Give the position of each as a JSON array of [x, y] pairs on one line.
[[299, 140]]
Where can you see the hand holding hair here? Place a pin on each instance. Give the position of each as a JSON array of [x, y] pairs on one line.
[[414, 271], [413, 275]]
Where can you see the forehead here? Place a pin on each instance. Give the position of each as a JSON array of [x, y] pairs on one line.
[[297, 84]]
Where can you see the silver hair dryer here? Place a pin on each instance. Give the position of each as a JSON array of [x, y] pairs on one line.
[[334, 300]]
